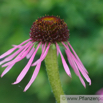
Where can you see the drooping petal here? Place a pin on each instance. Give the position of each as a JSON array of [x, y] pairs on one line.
[[77, 57], [8, 52], [17, 46], [25, 41], [80, 67], [35, 73], [72, 63], [11, 50], [83, 72], [13, 55], [74, 66], [20, 56], [43, 47], [63, 61], [7, 69], [30, 53], [57, 52], [42, 57], [26, 68], [82, 81]]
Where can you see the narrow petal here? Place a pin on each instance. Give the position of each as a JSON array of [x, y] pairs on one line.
[[30, 53], [82, 81], [42, 57], [42, 46], [72, 63], [57, 52], [8, 52], [25, 41], [64, 62], [80, 67], [17, 46], [7, 69], [43, 49], [77, 57], [83, 72], [26, 68], [74, 66], [35, 73], [11, 50], [20, 56], [13, 55]]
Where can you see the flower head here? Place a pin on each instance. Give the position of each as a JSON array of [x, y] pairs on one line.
[[49, 29], [44, 32]]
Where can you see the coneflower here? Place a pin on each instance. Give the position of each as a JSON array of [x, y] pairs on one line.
[[45, 32]]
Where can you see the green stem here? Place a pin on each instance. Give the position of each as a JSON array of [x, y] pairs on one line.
[[53, 73]]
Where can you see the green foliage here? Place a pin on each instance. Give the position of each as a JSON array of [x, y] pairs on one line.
[[85, 22]]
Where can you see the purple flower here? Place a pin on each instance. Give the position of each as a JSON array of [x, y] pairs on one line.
[[44, 32], [100, 92]]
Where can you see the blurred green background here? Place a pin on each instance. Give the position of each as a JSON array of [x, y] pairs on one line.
[[85, 22]]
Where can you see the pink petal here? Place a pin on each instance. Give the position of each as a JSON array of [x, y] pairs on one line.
[[25, 41], [77, 57], [13, 55], [74, 66], [30, 53], [80, 67], [72, 63], [42, 57], [82, 81], [64, 62], [25, 70], [21, 55], [57, 52], [17, 46], [8, 52], [7, 69], [35, 73], [11, 50], [83, 72], [43, 48]]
